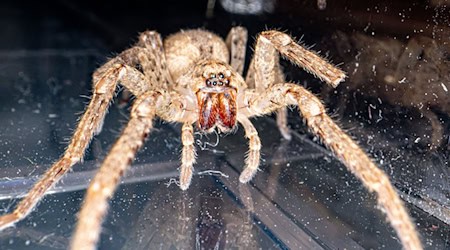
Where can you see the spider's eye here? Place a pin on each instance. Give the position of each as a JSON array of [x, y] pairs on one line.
[[226, 82], [221, 76], [139, 67], [208, 82], [212, 75], [214, 83]]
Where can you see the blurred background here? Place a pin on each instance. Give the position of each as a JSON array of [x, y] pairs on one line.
[[395, 103]]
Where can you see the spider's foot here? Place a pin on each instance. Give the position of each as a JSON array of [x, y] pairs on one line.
[[185, 177], [286, 133], [8, 220], [184, 186], [247, 175]]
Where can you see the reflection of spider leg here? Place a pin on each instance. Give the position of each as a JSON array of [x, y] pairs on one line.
[[246, 239], [437, 133], [35, 237], [105, 80], [276, 163], [344, 148], [188, 155], [106, 180], [253, 157]]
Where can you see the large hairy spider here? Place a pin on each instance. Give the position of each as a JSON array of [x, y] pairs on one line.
[[195, 77]]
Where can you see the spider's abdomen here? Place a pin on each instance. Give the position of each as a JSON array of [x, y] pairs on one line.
[[184, 49]]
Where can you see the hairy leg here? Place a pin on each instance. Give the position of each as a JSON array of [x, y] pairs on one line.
[[153, 60], [265, 70], [237, 44], [301, 56], [105, 81], [345, 149], [254, 154], [148, 55], [281, 113], [106, 180], [188, 155]]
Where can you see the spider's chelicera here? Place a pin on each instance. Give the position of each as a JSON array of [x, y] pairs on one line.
[[217, 102], [195, 77]]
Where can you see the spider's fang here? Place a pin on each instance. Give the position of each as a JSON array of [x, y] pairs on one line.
[[217, 109], [227, 109]]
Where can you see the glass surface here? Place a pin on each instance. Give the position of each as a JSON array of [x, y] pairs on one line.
[[302, 197]]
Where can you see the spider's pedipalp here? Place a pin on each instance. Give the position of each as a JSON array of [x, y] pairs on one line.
[[113, 167], [345, 149], [254, 154], [188, 155]]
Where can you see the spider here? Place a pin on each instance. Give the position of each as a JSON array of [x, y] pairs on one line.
[[195, 77]]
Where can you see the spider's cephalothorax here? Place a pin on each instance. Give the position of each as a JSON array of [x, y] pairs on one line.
[[193, 77], [198, 60]]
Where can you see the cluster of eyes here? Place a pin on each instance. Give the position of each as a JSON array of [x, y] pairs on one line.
[[217, 80]]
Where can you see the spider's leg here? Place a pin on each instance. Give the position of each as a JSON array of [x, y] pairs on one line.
[[148, 55], [105, 80], [153, 62], [282, 114], [103, 185], [282, 122], [345, 149], [264, 71], [254, 154], [188, 155], [301, 56], [237, 43]]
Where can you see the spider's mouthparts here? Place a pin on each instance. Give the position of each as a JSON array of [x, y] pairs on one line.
[[217, 109]]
